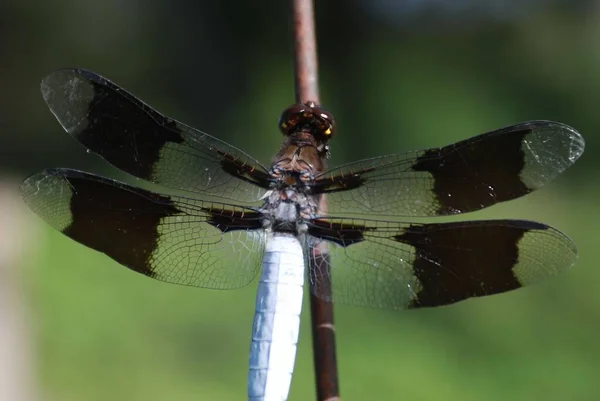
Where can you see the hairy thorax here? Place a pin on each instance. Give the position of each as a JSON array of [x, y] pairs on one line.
[[288, 204]]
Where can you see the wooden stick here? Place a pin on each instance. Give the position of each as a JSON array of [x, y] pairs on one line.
[[307, 89]]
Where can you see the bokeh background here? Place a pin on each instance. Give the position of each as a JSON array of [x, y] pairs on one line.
[[398, 75]]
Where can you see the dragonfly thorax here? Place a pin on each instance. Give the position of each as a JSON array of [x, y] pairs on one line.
[[287, 209]]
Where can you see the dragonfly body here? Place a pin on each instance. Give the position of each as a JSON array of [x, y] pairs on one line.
[[238, 217], [287, 208], [276, 320]]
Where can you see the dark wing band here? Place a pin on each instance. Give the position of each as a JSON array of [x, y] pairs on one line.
[[137, 139], [173, 239], [399, 265], [466, 176]]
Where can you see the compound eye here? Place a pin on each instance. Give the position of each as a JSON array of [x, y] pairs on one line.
[[326, 122], [292, 116]]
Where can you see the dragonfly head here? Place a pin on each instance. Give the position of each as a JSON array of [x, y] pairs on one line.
[[308, 117]]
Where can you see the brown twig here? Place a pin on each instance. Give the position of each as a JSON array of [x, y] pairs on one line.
[[305, 51], [307, 89]]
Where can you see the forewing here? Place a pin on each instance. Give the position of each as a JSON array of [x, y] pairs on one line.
[[466, 176], [139, 140], [398, 266], [173, 239]]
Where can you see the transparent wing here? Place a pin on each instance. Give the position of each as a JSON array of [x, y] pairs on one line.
[[397, 266], [139, 140], [173, 239], [466, 176]]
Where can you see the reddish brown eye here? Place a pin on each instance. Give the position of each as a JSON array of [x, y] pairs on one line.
[[326, 121], [291, 116]]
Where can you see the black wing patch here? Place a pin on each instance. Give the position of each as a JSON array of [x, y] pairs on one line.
[[173, 239], [466, 176], [137, 139], [402, 265]]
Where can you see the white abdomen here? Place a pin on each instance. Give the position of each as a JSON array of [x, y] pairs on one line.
[[277, 320]]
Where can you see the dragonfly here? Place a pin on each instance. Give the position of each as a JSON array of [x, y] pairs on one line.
[[350, 232]]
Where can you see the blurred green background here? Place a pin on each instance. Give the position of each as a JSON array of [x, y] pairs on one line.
[[398, 75]]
